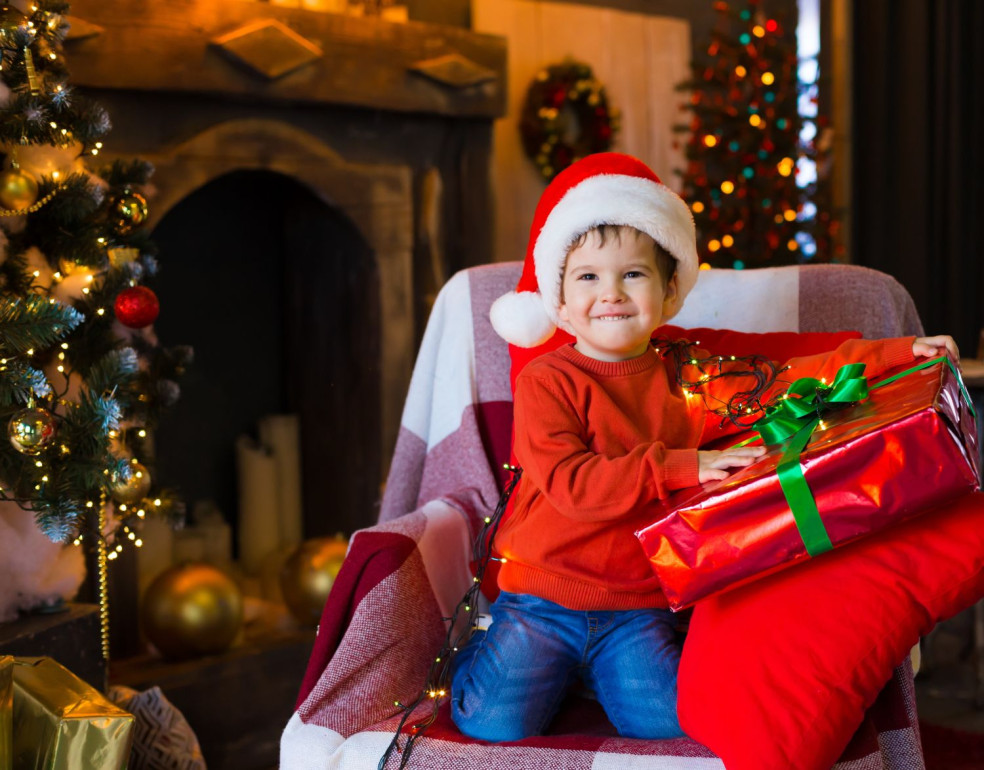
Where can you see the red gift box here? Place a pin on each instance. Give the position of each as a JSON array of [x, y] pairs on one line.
[[910, 446]]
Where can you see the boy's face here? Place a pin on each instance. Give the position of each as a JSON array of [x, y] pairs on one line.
[[614, 295]]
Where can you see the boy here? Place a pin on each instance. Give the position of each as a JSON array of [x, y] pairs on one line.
[[603, 431]]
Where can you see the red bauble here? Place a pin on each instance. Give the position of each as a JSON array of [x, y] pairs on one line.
[[136, 307]]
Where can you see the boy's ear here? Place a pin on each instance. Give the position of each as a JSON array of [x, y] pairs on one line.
[[562, 311], [670, 294]]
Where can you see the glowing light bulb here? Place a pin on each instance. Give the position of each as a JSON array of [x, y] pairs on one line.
[[697, 207], [727, 187], [714, 245], [768, 78]]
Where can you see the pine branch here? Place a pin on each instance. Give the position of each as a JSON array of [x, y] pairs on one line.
[[112, 370], [127, 173], [19, 382], [34, 322]]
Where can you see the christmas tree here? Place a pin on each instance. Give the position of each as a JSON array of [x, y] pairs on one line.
[[82, 377], [747, 148]]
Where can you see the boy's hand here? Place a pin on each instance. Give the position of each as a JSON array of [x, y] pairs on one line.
[[927, 347], [713, 465]]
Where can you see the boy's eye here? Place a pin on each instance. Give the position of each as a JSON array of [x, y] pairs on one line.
[[635, 274], [587, 277]]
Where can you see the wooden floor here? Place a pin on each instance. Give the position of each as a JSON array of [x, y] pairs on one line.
[[947, 689]]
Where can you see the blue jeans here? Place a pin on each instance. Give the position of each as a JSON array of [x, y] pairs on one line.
[[508, 682]]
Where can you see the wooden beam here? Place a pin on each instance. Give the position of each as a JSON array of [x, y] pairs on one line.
[[165, 45]]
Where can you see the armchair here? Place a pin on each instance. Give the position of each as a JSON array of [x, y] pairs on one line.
[[402, 578]]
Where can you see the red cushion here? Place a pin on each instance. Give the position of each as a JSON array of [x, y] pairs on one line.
[[776, 346], [778, 674]]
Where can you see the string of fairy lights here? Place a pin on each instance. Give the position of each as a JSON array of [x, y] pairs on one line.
[[748, 142], [743, 407], [459, 629]]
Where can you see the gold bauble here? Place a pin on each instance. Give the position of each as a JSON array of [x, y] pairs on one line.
[[18, 189], [133, 489], [128, 211], [308, 575], [31, 430], [192, 609]]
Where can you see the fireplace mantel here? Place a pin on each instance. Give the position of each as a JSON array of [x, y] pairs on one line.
[[169, 46]]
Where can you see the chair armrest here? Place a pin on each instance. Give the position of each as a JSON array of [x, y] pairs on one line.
[[385, 617]]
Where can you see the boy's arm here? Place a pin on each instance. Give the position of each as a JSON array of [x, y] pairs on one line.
[[581, 484], [877, 355]]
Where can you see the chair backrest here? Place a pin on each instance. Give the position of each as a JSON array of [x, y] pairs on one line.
[[456, 427]]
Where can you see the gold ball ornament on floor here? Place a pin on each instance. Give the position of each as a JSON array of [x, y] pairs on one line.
[[192, 609], [308, 575], [133, 488], [128, 211], [18, 189], [31, 430]]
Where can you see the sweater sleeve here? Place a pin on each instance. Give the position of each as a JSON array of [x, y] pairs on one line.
[[551, 447], [879, 356]]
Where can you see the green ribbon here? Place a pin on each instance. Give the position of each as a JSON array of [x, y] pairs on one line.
[[796, 416]]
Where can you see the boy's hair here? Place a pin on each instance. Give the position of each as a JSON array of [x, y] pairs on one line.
[[665, 262]]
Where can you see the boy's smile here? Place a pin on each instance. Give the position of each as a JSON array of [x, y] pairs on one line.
[[613, 295]]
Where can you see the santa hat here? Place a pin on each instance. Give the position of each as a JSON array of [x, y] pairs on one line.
[[603, 189]]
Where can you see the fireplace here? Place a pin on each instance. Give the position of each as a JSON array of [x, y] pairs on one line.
[[305, 214]]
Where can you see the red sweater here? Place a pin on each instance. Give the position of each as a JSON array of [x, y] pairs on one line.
[[593, 470]]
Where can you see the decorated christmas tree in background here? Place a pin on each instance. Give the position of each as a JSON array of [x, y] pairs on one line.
[[82, 378], [750, 177]]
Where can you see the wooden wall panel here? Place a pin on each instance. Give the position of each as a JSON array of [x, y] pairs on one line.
[[638, 57]]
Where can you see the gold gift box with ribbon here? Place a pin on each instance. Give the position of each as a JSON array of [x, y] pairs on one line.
[[6, 708], [62, 723]]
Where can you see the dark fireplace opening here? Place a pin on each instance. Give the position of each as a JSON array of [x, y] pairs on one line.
[[278, 293]]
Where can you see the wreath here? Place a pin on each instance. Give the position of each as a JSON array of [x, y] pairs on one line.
[[565, 117]]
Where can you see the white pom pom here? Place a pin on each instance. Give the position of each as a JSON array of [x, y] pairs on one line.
[[521, 319]]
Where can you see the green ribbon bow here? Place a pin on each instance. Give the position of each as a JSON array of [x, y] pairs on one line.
[[795, 417]]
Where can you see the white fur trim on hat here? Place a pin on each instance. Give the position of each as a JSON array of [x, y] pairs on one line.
[[615, 199], [521, 318]]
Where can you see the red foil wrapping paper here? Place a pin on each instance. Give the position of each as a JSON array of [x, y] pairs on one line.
[[911, 446]]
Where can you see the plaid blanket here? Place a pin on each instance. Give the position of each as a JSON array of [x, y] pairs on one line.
[[385, 617]]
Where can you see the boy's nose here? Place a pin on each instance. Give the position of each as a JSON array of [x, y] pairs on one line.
[[613, 292]]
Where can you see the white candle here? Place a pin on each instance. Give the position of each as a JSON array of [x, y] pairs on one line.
[[259, 528], [281, 434]]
